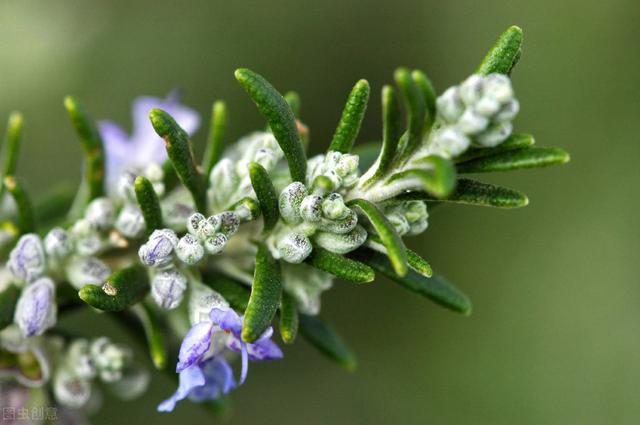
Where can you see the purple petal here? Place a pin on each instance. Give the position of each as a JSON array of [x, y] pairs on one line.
[[190, 378], [218, 380], [118, 150], [36, 309], [264, 349], [245, 364], [194, 345], [228, 320]]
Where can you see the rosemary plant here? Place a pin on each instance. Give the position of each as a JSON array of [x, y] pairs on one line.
[[211, 253]]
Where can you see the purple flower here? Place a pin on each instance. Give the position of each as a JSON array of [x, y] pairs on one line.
[[144, 145], [208, 380], [228, 325]]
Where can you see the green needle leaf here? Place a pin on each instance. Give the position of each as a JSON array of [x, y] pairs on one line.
[[13, 138], [123, 289], [280, 118], [266, 292], [516, 159], [93, 184], [181, 155], [352, 115], [415, 105], [293, 99], [215, 141], [428, 92], [149, 204], [339, 266], [234, 292], [321, 336], [289, 319], [473, 192], [154, 333], [504, 55], [266, 194], [414, 260], [515, 141], [439, 180], [26, 222], [435, 288], [388, 236], [8, 300]]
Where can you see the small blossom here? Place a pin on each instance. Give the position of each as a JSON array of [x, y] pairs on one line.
[[168, 287], [27, 261], [157, 252], [144, 145], [36, 307]]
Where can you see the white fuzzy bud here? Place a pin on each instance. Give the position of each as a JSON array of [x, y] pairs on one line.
[[223, 181], [208, 227], [168, 287], [215, 244], [57, 244], [499, 87], [101, 213], [125, 185], [472, 122], [193, 223], [449, 142], [494, 135], [400, 223], [294, 248], [449, 105], [130, 221], [202, 300], [87, 271], [110, 359], [154, 172], [471, 89], [71, 390], [27, 260], [158, 249], [229, 222], [267, 158], [36, 308], [487, 106], [341, 244], [79, 359], [334, 208], [289, 202], [508, 111], [342, 226], [189, 249], [311, 208]]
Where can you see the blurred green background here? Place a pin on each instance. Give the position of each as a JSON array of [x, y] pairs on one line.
[[554, 336]]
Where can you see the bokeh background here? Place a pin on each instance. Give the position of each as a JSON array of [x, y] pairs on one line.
[[554, 335]]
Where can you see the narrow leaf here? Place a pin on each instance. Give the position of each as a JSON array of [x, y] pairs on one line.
[[215, 141], [435, 288], [123, 289], [154, 333], [289, 319], [388, 236], [473, 192], [266, 194], [26, 222], [93, 149], [352, 115], [266, 292], [516, 159], [321, 336], [293, 99], [439, 179], [12, 141], [340, 266], [8, 300], [414, 260], [149, 204], [515, 141], [280, 118], [504, 54], [416, 111], [428, 92], [236, 294], [181, 155]]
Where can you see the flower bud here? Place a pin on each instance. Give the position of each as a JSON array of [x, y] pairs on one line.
[[110, 359], [341, 244], [400, 223], [418, 226], [87, 271], [247, 209], [36, 308], [499, 87], [495, 134], [216, 244], [449, 105], [294, 248], [471, 89], [167, 288], [130, 221], [334, 208], [79, 359], [100, 213], [158, 249], [71, 390], [224, 181], [229, 222], [193, 223], [508, 111], [344, 225], [347, 168], [57, 244], [289, 202], [267, 158], [27, 260], [125, 185], [487, 106], [189, 249], [449, 142], [89, 245], [154, 172], [472, 122], [311, 208], [202, 300]]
